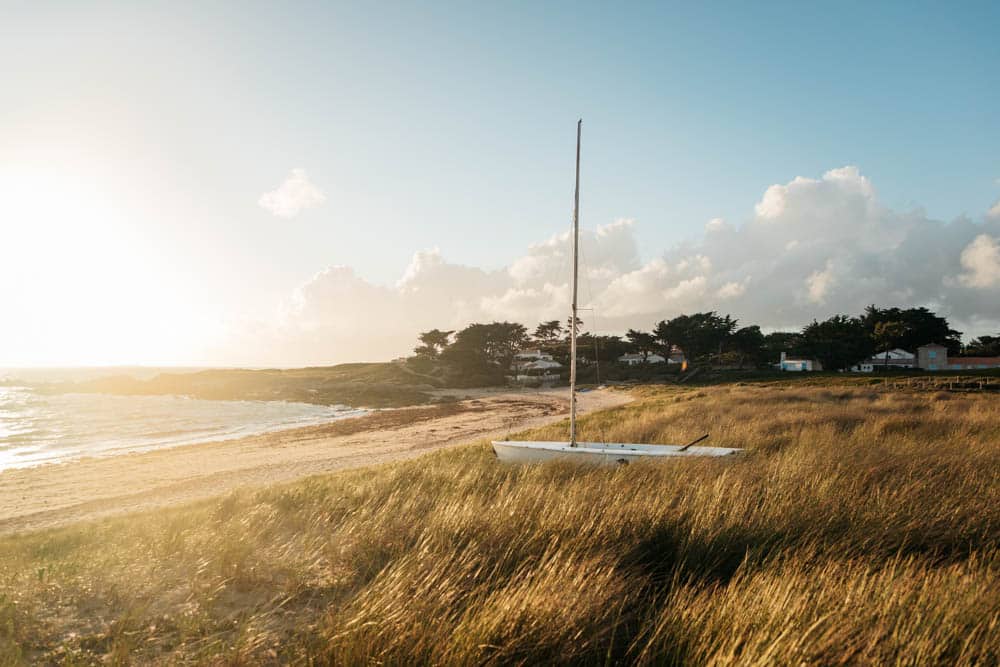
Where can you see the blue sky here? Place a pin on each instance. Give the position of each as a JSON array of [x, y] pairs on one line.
[[461, 120], [451, 126]]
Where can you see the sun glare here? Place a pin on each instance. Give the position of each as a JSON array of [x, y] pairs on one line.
[[78, 286]]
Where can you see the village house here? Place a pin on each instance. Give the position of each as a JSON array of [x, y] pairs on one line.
[[934, 357], [635, 359], [797, 365], [893, 359], [534, 366]]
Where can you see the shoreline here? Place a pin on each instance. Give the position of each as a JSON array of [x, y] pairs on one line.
[[78, 453], [56, 494]]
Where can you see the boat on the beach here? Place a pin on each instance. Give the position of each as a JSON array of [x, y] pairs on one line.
[[596, 453]]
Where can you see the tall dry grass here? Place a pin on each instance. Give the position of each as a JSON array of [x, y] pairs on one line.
[[860, 527]]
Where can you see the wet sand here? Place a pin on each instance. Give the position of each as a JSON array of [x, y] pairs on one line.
[[54, 495]]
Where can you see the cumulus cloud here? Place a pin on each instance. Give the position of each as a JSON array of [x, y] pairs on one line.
[[981, 260], [732, 290], [715, 225], [296, 194], [812, 247], [819, 283], [994, 212]]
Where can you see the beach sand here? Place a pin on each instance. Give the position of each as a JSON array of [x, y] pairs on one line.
[[57, 494]]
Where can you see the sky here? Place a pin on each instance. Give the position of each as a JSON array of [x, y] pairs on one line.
[[307, 183]]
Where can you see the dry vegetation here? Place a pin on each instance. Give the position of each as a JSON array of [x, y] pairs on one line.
[[860, 527], [376, 385]]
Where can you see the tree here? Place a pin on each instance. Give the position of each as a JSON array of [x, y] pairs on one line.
[[468, 354], [984, 346], [505, 340], [485, 350], [605, 349], [698, 335], [920, 325], [642, 342], [432, 343], [664, 334], [838, 342], [548, 333], [887, 335], [748, 342], [776, 342], [569, 326]]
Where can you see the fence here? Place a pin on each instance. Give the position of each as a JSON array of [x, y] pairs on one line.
[[954, 383]]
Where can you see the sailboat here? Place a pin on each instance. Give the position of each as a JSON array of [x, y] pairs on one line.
[[598, 453]]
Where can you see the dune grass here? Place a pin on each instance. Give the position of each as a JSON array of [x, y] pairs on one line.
[[861, 526]]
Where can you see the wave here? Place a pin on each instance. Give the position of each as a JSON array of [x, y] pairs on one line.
[[37, 429]]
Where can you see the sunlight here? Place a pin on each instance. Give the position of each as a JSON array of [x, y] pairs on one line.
[[80, 285]]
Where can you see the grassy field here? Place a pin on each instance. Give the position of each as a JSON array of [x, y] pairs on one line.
[[861, 526]]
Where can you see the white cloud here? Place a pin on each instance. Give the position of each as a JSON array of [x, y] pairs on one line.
[[528, 304], [732, 289], [819, 283], [812, 248], [610, 250], [994, 213], [296, 194], [715, 225], [981, 260], [687, 291]]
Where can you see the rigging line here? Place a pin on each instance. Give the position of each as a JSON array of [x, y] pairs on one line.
[[590, 287], [596, 330], [593, 309], [597, 354]]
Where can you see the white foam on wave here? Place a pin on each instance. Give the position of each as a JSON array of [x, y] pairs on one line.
[[36, 429]]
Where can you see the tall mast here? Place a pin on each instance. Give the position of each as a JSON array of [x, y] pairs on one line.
[[572, 345]]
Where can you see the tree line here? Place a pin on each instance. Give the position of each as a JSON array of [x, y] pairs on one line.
[[483, 353]]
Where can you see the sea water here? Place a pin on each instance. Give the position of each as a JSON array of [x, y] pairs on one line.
[[38, 428]]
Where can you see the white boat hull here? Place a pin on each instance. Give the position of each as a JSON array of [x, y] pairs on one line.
[[598, 453]]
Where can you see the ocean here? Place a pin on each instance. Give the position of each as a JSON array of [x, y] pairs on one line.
[[52, 428]]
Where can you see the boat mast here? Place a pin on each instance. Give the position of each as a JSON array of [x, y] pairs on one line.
[[572, 345]]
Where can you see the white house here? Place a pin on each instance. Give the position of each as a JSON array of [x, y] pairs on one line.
[[896, 359], [798, 365], [531, 355], [535, 365], [634, 359]]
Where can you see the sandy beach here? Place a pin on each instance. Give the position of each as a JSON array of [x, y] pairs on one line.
[[53, 495]]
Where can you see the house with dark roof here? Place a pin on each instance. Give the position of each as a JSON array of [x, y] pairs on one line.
[[897, 358]]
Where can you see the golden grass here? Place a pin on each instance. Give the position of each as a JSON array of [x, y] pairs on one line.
[[860, 527]]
